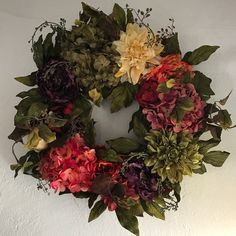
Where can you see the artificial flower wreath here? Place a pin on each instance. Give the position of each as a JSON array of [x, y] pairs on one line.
[[118, 58]]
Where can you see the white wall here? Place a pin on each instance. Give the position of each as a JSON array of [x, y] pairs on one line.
[[208, 202]]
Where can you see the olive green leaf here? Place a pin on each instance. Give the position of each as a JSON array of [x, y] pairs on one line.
[[46, 134], [205, 145], [224, 100], [130, 17], [30, 93], [37, 109], [182, 108], [202, 85], [200, 54], [123, 145], [92, 198], [97, 210], [216, 158], [216, 131], [200, 170], [17, 134], [139, 124], [223, 118], [119, 16], [153, 209], [122, 96], [38, 52], [162, 88], [109, 155], [29, 80], [56, 122], [171, 45], [128, 221]]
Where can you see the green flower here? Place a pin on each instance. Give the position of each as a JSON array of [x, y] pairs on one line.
[[172, 155]]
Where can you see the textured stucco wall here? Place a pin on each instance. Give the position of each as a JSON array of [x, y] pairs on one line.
[[208, 202]]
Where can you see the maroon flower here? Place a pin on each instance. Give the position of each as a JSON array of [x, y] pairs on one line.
[[57, 82]]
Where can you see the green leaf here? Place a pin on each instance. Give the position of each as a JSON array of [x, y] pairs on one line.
[[178, 114], [46, 134], [17, 134], [153, 209], [171, 45], [215, 131], [92, 198], [224, 100], [186, 104], [216, 158], [136, 210], [202, 85], [122, 96], [38, 52], [81, 195], [37, 109], [56, 122], [128, 221], [30, 93], [186, 56], [205, 145], [83, 109], [89, 133], [109, 155], [16, 168], [130, 17], [200, 170], [224, 119], [139, 124], [200, 54], [162, 88], [119, 16], [123, 145], [29, 80], [97, 210]]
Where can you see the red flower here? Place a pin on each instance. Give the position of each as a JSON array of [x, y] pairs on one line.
[[72, 166], [159, 106]]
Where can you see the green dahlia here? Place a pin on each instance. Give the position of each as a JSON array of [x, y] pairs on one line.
[[172, 155]]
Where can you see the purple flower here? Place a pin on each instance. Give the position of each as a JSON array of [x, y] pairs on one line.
[[144, 182], [57, 82]]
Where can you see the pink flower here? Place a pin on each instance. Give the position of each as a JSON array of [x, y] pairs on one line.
[[71, 166], [158, 107], [110, 203]]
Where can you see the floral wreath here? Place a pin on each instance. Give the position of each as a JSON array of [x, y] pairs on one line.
[[118, 58]]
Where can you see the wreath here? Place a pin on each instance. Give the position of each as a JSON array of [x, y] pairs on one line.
[[117, 58]]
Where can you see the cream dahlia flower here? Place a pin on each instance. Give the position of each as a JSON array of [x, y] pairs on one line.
[[135, 52]]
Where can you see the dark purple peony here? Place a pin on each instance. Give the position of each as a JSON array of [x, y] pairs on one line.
[[57, 82], [145, 183]]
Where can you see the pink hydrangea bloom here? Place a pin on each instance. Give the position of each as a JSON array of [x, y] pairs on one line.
[[71, 167], [158, 106]]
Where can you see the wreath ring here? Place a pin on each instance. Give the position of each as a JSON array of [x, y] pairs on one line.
[[118, 58]]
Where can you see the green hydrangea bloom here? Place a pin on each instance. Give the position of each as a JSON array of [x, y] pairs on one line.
[[172, 155], [93, 55]]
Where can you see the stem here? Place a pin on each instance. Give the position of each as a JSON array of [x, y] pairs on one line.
[[13, 151]]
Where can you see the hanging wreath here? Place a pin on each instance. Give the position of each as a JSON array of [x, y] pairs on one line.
[[118, 58]]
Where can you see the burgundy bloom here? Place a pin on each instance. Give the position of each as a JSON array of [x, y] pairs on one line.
[[57, 82]]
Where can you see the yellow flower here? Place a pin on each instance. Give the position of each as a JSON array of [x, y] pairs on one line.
[[35, 142], [135, 52], [95, 95]]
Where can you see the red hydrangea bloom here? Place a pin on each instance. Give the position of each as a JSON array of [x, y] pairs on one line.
[[158, 106], [170, 67], [71, 166]]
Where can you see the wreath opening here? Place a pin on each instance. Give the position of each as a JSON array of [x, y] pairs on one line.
[[118, 59]]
